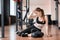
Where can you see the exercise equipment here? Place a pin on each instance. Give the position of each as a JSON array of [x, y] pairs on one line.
[[27, 8], [19, 20], [49, 19], [54, 22], [37, 34], [27, 11]]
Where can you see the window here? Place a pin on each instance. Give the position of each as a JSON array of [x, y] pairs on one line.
[[12, 8]]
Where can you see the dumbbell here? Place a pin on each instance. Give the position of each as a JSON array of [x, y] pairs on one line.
[[24, 34]]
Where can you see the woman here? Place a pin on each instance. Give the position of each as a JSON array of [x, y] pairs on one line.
[[41, 20]]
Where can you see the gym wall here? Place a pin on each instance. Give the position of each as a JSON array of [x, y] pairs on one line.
[[47, 5], [44, 4], [53, 10], [53, 6]]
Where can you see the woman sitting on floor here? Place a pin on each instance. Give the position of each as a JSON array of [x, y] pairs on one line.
[[41, 20]]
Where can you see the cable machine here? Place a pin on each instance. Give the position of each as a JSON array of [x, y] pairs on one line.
[[19, 17], [19, 14], [27, 10]]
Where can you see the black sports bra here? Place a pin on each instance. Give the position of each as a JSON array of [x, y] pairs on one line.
[[40, 22]]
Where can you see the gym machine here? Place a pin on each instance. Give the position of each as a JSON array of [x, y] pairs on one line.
[[27, 8], [27, 12], [56, 9], [20, 20]]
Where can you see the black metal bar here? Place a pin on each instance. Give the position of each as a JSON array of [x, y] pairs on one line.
[[2, 18], [57, 10], [55, 0], [26, 11], [16, 18], [27, 8], [29, 4], [21, 22]]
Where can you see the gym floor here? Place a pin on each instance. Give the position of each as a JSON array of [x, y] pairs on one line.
[[10, 34]]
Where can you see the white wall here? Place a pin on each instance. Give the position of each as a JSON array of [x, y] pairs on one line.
[[44, 4], [53, 6], [53, 12], [59, 13], [0, 6]]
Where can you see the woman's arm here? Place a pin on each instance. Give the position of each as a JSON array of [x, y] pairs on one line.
[[46, 19], [46, 25], [33, 15]]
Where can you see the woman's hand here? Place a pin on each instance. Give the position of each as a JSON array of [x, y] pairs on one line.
[[33, 15]]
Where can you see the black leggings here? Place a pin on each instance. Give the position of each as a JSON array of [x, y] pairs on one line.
[[29, 29]]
